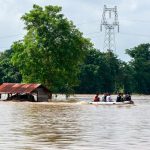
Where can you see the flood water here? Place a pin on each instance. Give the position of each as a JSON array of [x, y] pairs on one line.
[[74, 126]]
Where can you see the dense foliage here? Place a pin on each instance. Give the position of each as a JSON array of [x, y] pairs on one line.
[[141, 67], [98, 73], [103, 72], [8, 73], [55, 53], [52, 49]]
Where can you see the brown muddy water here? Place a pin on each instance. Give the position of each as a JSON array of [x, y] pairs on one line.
[[75, 126]]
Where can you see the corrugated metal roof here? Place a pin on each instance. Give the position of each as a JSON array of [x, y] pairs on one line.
[[18, 88]]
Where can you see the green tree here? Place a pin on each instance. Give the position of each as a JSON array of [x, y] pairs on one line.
[[90, 81], [112, 70], [52, 49], [99, 72], [8, 73], [125, 80], [141, 66]]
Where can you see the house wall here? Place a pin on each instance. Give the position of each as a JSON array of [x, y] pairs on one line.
[[42, 95]]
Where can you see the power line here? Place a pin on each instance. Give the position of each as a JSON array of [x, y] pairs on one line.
[[86, 34], [10, 36], [134, 34], [96, 32], [132, 20], [124, 33], [135, 20]]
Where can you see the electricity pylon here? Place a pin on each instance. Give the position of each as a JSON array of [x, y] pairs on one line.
[[110, 22]]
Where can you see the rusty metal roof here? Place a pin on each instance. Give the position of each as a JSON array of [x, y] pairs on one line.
[[18, 88]]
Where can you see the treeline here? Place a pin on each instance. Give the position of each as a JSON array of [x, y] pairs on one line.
[[55, 53], [8, 72], [104, 72]]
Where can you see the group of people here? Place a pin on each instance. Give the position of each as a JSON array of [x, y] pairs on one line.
[[107, 98]]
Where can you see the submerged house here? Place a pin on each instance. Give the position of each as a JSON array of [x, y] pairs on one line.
[[25, 92]]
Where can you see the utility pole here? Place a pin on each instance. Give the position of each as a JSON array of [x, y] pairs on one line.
[[110, 22]]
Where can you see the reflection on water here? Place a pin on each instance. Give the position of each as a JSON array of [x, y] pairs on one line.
[[73, 126]]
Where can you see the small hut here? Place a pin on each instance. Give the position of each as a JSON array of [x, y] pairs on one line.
[[25, 92]]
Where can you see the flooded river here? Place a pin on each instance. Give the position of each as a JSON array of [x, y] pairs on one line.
[[74, 126]]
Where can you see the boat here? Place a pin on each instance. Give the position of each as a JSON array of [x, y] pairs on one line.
[[111, 103]]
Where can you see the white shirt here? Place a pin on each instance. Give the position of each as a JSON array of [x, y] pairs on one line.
[[108, 98], [103, 98]]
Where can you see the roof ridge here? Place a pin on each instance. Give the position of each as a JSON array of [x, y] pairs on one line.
[[18, 87]]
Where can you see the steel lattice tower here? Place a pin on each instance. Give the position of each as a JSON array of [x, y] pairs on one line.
[[110, 22]]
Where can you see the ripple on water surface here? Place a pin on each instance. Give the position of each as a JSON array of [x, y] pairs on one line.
[[45, 126]]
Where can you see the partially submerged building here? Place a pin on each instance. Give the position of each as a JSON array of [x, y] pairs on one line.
[[25, 92]]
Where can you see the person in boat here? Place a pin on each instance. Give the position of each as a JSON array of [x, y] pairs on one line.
[[127, 97], [96, 98], [104, 97], [108, 98], [119, 97]]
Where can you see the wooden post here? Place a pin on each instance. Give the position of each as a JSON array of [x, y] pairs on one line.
[[8, 97], [50, 96], [37, 97]]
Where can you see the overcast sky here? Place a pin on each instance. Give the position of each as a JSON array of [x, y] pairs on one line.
[[134, 18]]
